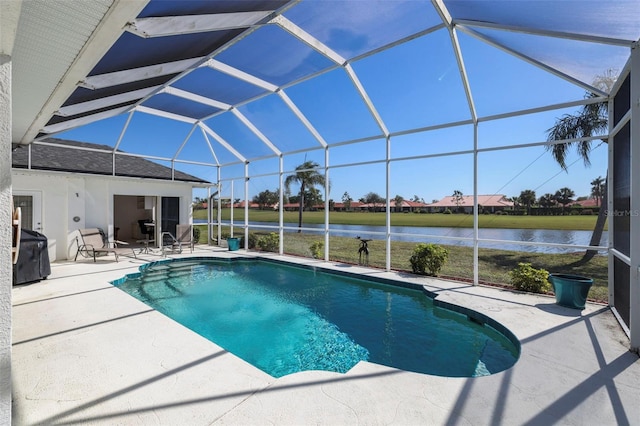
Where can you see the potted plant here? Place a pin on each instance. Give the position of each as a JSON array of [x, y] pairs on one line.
[[570, 290]]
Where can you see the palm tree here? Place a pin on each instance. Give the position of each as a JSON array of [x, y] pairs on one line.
[[516, 202], [306, 176], [528, 197], [457, 198], [598, 189], [591, 120], [398, 200], [564, 196], [547, 201]]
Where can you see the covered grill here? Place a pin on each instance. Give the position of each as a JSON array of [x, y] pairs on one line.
[[33, 258]]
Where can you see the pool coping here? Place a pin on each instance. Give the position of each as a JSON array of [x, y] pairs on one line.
[[78, 356]]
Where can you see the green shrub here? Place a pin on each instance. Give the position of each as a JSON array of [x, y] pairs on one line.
[[428, 258], [586, 212], [270, 242], [527, 278], [253, 240], [447, 211], [317, 249]]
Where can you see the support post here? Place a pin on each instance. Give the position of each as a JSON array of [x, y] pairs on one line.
[[475, 204], [281, 205], [609, 207], [219, 213], [326, 203], [634, 290], [388, 210], [246, 206], [231, 209]]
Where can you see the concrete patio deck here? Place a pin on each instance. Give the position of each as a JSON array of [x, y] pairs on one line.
[[86, 353]]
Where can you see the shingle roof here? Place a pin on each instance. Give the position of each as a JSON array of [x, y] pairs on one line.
[[57, 158]]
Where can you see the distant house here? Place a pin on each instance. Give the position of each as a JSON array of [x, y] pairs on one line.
[[405, 206], [486, 203], [588, 203], [409, 206], [242, 204], [353, 206], [288, 207], [62, 186]]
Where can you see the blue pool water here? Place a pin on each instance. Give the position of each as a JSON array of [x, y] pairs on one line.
[[284, 319]]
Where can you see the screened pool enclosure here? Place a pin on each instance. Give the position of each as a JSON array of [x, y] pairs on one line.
[[416, 99]]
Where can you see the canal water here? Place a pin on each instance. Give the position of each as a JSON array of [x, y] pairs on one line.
[[442, 235]]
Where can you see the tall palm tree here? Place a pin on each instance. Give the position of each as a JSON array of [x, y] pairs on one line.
[[591, 120], [546, 201], [564, 196], [398, 200], [516, 202], [598, 189], [457, 198], [306, 176], [528, 197]]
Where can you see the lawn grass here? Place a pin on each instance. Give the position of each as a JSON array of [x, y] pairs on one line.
[[493, 265], [581, 223]]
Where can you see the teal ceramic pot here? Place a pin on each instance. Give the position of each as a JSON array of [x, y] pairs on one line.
[[571, 290], [234, 243]]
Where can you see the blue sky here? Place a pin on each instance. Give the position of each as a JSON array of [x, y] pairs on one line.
[[413, 85]]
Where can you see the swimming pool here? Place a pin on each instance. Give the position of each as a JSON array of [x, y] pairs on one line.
[[284, 319]]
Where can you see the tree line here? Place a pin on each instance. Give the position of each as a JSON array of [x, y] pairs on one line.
[[556, 203]]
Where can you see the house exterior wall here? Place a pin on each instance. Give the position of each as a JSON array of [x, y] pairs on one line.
[[90, 200], [6, 234]]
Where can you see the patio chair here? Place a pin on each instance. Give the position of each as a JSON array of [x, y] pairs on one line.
[[147, 228], [184, 234], [94, 244], [170, 244]]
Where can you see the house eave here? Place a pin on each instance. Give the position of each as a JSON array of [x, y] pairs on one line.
[[65, 173]]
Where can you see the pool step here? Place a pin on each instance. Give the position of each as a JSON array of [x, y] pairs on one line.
[[164, 272]]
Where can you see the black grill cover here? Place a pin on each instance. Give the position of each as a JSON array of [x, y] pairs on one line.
[[33, 258]]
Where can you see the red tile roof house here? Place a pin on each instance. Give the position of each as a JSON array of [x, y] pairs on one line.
[[410, 206], [490, 203], [354, 206], [588, 203], [241, 205]]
